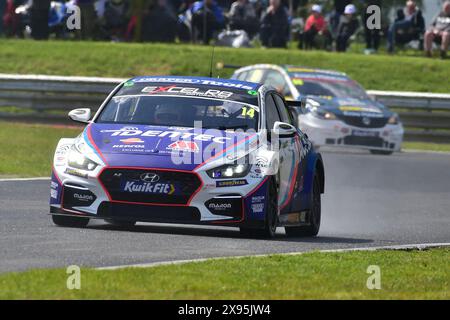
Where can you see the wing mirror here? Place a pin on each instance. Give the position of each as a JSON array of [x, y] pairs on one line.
[[82, 115], [284, 130]]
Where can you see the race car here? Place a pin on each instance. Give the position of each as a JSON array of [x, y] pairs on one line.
[[338, 110], [189, 150]]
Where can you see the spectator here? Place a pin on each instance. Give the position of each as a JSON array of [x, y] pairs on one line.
[[39, 19], [348, 24], [338, 11], [88, 18], [315, 26], [159, 25], [243, 17], [275, 26], [205, 21], [439, 31], [2, 12], [372, 36], [408, 26], [115, 18], [10, 19]]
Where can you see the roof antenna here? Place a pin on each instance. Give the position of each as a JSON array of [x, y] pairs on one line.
[[211, 63]]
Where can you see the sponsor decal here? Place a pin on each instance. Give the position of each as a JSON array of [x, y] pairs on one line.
[[148, 187], [170, 134], [195, 81], [219, 206], [128, 84], [54, 194], [258, 199], [297, 81], [252, 92], [258, 207], [188, 146], [132, 140], [189, 91], [127, 147], [83, 197], [231, 183]]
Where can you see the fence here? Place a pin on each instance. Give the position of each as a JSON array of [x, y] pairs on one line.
[[34, 98]]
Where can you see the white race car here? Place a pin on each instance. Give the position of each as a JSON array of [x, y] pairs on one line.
[[339, 111]]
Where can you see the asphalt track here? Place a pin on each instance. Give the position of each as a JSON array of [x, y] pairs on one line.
[[369, 201]]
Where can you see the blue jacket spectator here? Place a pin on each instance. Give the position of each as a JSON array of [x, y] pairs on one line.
[[206, 20]]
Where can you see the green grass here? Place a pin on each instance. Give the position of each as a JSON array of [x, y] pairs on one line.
[[426, 146], [381, 72], [27, 150], [404, 275]]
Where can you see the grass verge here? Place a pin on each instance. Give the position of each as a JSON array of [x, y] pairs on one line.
[[426, 146], [381, 72], [27, 150], [404, 275]]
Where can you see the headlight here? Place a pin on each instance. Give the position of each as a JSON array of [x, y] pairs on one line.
[[322, 114], [229, 171], [394, 119], [79, 161]]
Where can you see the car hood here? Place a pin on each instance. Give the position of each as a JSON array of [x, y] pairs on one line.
[[163, 147], [352, 107]]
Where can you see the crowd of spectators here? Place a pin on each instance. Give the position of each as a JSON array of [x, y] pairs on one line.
[[273, 22]]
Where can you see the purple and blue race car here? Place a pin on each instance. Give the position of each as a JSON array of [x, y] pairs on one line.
[[190, 150]]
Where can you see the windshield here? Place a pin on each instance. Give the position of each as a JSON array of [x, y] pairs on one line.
[[180, 111], [330, 89]]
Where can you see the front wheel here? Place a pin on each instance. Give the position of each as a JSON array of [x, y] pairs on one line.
[[312, 229], [71, 222], [381, 152], [271, 220]]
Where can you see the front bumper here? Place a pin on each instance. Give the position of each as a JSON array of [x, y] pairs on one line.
[[237, 202], [337, 133]]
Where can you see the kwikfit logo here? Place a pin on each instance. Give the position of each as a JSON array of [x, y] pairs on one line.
[[162, 188]]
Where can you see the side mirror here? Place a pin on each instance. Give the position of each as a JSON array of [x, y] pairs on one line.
[[284, 130], [82, 115]]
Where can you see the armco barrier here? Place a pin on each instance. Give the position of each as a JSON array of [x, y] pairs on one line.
[[37, 98]]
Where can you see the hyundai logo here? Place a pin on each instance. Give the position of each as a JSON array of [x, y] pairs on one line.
[[366, 121], [149, 177]]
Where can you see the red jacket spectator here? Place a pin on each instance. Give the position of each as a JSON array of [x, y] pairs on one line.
[[316, 20]]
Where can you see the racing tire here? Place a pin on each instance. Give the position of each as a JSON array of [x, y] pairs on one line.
[[313, 228], [121, 223], [271, 221], [381, 152], [71, 222]]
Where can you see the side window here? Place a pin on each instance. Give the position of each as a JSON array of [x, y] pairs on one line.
[[272, 115], [242, 76], [276, 80], [255, 75], [284, 113]]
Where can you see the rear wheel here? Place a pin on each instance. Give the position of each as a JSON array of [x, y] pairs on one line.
[[312, 229], [381, 152], [71, 222], [271, 221]]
